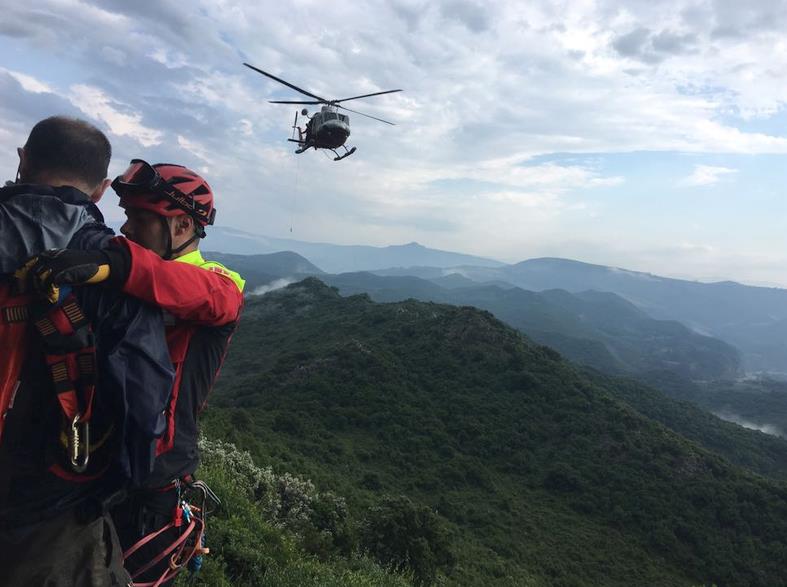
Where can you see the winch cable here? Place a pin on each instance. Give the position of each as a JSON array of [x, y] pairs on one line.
[[294, 205]]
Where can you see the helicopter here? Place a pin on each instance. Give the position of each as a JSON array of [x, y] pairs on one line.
[[326, 129]]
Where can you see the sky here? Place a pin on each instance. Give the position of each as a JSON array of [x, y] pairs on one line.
[[645, 135]]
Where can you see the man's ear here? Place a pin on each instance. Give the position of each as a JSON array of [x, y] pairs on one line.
[[99, 191], [184, 224]]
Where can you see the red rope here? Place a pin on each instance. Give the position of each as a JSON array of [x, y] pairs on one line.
[[174, 566]]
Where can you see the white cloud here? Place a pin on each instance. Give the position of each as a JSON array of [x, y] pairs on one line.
[[525, 199], [273, 285], [195, 148], [93, 102], [771, 429], [697, 248], [245, 127], [169, 59], [707, 175], [88, 10], [28, 82], [114, 56]]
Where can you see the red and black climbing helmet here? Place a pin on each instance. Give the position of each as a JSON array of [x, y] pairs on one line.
[[167, 190]]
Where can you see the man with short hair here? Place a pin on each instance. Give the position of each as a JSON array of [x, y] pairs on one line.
[[61, 176], [56, 480]]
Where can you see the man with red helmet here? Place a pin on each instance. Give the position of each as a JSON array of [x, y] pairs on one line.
[[167, 209]]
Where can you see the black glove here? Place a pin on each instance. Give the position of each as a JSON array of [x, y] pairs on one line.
[[45, 273]]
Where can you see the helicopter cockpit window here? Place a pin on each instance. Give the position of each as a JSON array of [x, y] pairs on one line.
[[343, 117], [330, 116]]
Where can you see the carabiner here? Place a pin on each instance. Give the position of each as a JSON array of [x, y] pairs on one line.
[[79, 444]]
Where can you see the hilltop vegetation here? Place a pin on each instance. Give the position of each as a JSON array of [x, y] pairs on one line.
[[278, 530], [535, 474]]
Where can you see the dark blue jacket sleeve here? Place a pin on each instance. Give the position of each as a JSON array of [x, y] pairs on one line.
[[135, 371]]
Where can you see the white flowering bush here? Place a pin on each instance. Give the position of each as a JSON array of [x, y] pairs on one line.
[[287, 502], [276, 531]]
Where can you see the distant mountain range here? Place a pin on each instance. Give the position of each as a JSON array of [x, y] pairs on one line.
[[598, 329], [340, 258], [753, 319], [601, 330]]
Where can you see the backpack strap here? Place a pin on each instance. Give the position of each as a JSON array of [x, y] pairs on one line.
[[70, 356], [15, 313], [14, 318]]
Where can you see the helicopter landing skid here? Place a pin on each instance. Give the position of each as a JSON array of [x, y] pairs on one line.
[[302, 148], [347, 154]]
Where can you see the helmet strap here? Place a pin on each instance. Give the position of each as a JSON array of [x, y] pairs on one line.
[[169, 252], [181, 247]]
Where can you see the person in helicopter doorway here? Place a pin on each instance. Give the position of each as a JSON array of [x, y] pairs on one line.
[[168, 208]]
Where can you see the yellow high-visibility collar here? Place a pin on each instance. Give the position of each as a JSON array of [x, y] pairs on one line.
[[195, 258]]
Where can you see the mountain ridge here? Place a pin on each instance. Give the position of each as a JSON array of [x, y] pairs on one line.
[[338, 258]]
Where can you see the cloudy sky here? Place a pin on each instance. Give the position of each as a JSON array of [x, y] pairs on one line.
[[647, 135]]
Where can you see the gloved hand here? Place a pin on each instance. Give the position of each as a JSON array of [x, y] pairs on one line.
[[45, 273]]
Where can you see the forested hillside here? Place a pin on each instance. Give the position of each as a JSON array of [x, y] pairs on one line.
[[532, 472], [598, 329], [594, 328]]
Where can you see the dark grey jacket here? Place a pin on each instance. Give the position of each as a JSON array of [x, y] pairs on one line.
[[135, 371], [36, 218]]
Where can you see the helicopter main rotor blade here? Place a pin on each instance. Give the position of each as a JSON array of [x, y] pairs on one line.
[[294, 102], [366, 115], [288, 84], [365, 96]]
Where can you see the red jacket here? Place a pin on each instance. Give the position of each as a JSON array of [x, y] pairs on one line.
[[202, 302]]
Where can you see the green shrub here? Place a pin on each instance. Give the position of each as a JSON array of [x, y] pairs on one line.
[[403, 535]]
